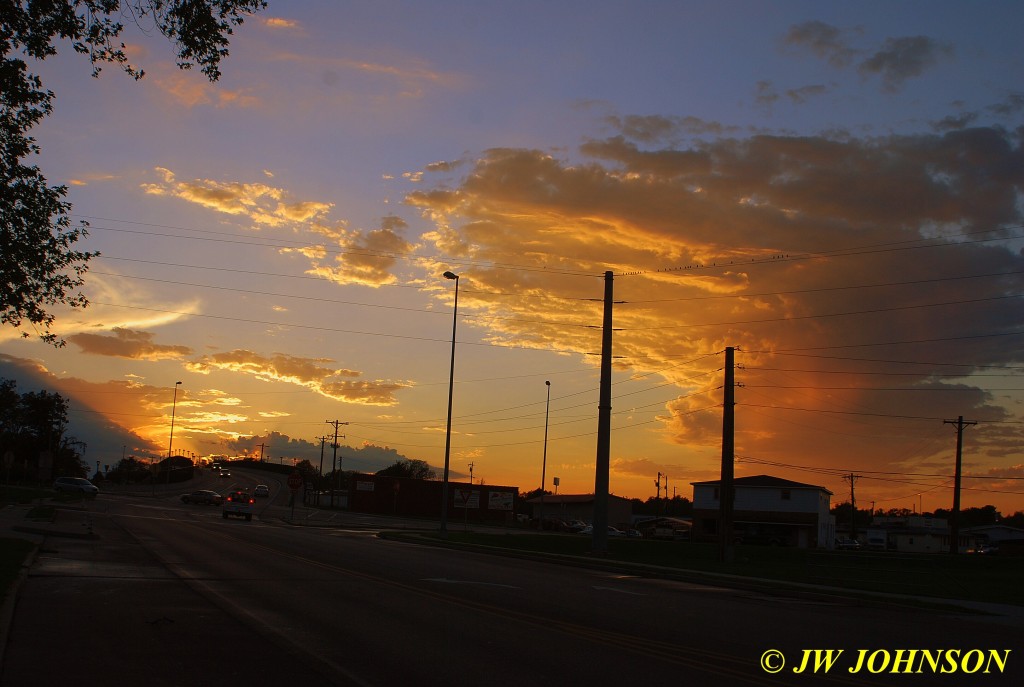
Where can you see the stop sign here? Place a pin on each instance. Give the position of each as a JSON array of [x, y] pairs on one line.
[[294, 481]]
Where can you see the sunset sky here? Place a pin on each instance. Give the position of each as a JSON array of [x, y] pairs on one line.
[[835, 189]]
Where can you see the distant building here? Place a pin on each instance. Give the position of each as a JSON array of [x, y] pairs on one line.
[[1007, 540], [767, 510], [422, 498], [916, 534], [581, 507]]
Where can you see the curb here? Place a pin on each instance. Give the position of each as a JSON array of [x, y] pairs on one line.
[[752, 584], [10, 601]]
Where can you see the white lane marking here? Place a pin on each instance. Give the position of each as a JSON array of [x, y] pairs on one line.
[[445, 580], [620, 591]]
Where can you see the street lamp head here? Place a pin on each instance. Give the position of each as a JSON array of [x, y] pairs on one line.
[[547, 383], [450, 275], [177, 383]]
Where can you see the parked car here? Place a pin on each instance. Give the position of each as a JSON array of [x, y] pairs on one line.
[[261, 490], [238, 503], [210, 498], [612, 531], [75, 485]]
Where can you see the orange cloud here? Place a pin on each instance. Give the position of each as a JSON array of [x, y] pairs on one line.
[[126, 343], [261, 203], [365, 258], [308, 372]]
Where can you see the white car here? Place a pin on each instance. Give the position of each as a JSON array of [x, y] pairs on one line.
[[75, 485], [239, 504], [261, 490]]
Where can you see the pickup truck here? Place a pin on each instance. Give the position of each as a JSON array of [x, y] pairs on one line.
[[238, 503]]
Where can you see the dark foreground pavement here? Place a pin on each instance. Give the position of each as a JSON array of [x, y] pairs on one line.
[[95, 608]]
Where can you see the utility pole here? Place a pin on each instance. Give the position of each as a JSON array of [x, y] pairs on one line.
[[335, 465], [954, 517], [262, 446], [853, 506], [471, 474], [725, 490], [323, 440], [658, 507], [604, 426]]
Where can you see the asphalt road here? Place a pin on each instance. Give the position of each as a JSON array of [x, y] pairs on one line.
[[175, 595]]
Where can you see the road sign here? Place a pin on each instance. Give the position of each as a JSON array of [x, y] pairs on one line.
[[294, 481]]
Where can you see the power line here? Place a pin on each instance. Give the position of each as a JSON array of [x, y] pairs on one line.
[[788, 318], [869, 249], [865, 414], [853, 287], [335, 301], [233, 239], [315, 278]]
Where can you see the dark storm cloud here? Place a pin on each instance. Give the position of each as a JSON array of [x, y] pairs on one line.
[[897, 60], [824, 41], [904, 58]]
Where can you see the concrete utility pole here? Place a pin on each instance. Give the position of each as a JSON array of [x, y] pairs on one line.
[[954, 517], [604, 426], [725, 489]]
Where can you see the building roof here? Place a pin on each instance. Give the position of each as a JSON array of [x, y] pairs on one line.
[[764, 481], [571, 498]]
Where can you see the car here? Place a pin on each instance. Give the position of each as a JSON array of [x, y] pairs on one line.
[[75, 485], [847, 544], [612, 531], [261, 490], [240, 504], [224, 473], [206, 496]]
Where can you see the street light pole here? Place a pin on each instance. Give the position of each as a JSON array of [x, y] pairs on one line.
[[170, 445], [448, 431], [544, 464]]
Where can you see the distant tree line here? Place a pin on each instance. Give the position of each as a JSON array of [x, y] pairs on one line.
[[675, 507], [969, 517], [34, 443]]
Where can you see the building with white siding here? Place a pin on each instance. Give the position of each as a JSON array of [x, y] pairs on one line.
[[767, 510]]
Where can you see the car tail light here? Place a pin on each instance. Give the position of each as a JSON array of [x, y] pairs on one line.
[[252, 500]]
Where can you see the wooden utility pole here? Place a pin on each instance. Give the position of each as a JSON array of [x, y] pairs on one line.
[[335, 464], [954, 517], [853, 506]]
